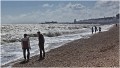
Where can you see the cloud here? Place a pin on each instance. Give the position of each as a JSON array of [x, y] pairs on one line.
[[47, 5], [75, 6], [107, 8], [107, 4], [67, 13]]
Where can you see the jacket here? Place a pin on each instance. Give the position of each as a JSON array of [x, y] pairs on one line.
[[25, 42]]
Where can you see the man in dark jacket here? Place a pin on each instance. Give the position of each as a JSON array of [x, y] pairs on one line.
[[96, 29], [26, 46], [99, 29], [92, 30], [41, 45]]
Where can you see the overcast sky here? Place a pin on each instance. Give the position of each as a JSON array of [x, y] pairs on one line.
[[61, 11]]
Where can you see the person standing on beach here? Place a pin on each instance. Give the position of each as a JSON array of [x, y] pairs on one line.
[[41, 45], [92, 30], [26, 46], [95, 29], [99, 29], [116, 25]]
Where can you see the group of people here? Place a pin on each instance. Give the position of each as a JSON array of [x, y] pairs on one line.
[[25, 42], [95, 29]]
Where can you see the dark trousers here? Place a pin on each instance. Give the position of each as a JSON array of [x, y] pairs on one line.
[[41, 47], [24, 53]]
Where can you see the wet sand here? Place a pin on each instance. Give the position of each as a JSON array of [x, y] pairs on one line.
[[100, 50]]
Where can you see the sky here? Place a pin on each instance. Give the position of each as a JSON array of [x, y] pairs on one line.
[[37, 11]]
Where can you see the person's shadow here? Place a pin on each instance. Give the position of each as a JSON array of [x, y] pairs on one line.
[[41, 59], [23, 62]]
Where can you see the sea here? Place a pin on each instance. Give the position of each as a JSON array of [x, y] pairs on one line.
[[55, 35]]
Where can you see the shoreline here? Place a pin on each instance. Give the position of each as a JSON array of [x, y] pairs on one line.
[[56, 52]]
